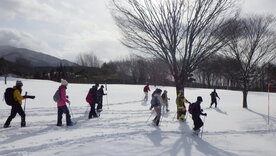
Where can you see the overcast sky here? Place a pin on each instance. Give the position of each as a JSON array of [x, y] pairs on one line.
[[65, 28]]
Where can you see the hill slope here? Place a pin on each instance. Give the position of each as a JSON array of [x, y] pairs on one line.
[[34, 58]]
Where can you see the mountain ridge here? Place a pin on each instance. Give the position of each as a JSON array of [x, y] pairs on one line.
[[31, 57]]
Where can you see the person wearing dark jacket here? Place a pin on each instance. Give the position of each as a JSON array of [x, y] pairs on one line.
[[196, 112], [100, 94], [214, 96], [16, 105], [93, 91]]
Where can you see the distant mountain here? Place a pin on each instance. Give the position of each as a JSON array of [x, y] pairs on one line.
[[36, 59]]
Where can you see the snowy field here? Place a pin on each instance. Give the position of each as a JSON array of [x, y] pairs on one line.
[[122, 129]]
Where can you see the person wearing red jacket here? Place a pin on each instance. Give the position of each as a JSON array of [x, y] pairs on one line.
[[146, 91]]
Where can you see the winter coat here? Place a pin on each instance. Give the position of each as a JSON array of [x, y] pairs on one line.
[[197, 109], [63, 97], [157, 100], [146, 89], [93, 91], [214, 95], [100, 93], [180, 102], [165, 98], [17, 95]]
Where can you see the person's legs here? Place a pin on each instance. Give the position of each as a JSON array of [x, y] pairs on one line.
[[68, 117], [12, 115], [158, 114], [22, 114], [92, 111], [59, 116]]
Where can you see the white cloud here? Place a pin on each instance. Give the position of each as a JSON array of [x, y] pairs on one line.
[[23, 40], [65, 28]]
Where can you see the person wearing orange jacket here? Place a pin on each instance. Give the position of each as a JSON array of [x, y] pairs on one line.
[[16, 104], [181, 108]]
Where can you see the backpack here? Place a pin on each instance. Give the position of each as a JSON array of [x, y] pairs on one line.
[[56, 96], [8, 95], [191, 108], [89, 97]]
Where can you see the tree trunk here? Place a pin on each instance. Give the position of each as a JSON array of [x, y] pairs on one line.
[[245, 93], [6, 79], [179, 85]]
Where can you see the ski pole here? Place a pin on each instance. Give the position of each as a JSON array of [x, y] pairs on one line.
[[149, 116], [203, 126], [174, 115], [106, 95], [25, 100], [71, 111]]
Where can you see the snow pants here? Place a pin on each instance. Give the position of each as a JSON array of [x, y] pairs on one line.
[[146, 96], [158, 115], [100, 103], [16, 108], [197, 122], [214, 101], [181, 113], [61, 110], [92, 112]]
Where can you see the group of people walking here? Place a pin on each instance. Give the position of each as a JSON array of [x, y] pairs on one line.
[[158, 102], [94, 96]]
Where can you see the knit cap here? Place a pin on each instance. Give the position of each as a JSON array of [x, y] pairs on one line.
[[64, 82]]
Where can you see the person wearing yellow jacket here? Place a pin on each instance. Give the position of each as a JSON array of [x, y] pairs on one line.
[[181, 108], [16, 106]]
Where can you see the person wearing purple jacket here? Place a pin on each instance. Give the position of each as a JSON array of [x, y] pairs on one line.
[[61, 104]]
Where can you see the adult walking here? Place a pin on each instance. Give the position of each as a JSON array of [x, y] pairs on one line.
[[61, 104], [214, 96], [196, 111], [92, 101], [156, 103], [16, 102], [146, 92], [100, 94]]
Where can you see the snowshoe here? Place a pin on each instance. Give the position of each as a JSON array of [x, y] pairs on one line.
[[72, 123], [196, 132], [6, 126]]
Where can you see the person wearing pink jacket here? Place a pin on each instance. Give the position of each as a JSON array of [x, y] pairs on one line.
[[61, 104]]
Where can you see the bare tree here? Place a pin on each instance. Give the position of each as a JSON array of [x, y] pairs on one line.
[[181, 33], [252, 45], [88, 60]]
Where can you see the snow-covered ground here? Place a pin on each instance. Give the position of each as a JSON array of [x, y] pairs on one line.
[[122, 129]]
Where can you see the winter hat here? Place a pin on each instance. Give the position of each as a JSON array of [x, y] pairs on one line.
[[158, 90], [19, 83], [102, 86], [64, 82], [199, 98]]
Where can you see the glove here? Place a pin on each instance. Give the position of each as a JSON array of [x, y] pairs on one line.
[[69, 102], [31, 97], [205, 114], [28, 96]]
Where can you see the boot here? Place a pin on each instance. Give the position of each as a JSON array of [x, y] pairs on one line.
[[157, 122], [6, 126], [23, 124]]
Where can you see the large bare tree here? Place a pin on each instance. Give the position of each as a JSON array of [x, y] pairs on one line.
[[252, 43], [182, 33]]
